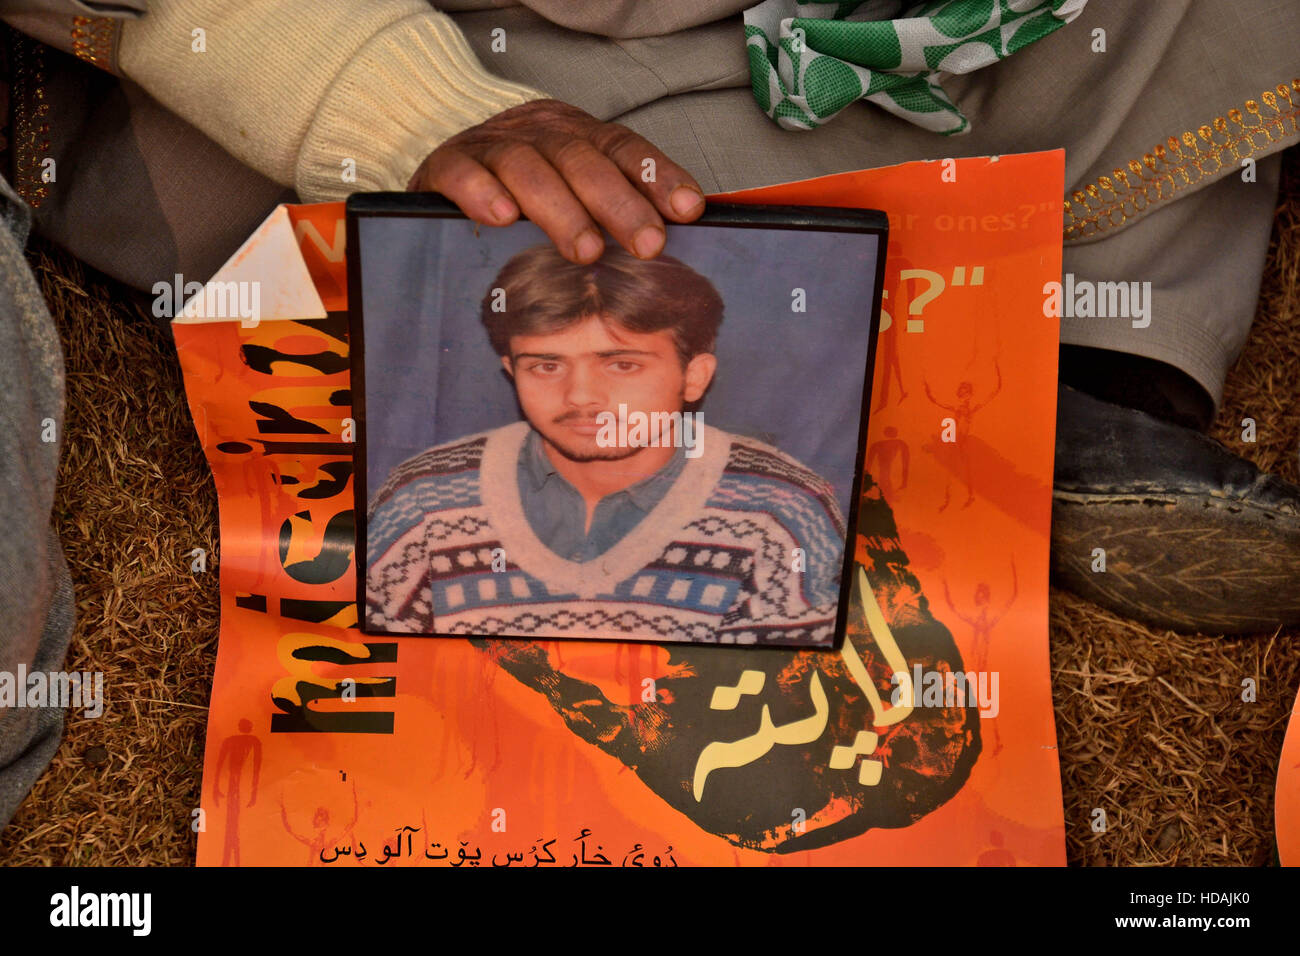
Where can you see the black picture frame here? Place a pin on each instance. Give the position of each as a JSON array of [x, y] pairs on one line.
[[433, 206]]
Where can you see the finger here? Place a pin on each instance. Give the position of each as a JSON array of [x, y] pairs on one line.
[[547, 200], [603, 188], [671, 188], [467, 183]]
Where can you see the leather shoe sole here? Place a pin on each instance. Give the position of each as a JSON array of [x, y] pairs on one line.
[[1168, 527]]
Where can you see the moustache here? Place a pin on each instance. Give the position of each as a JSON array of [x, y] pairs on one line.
[[575, 416]]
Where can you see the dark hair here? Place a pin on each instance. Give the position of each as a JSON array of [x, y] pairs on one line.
[[546, 293]]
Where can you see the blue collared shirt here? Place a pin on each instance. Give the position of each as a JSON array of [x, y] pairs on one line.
[[558, 515]]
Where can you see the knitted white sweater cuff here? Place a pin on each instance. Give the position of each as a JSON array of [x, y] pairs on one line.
[[328, 96], [414, 85]]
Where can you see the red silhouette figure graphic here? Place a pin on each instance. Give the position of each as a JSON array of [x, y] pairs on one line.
[[320, 821], [887, 344], [552, 768], [885, 451], [556, 646], [234, 753], [468, 701], [981, 625], [998, 855], [486, 709], [637, 671], [963, 415]]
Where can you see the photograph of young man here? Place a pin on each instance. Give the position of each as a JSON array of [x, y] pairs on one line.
[[611, 510]]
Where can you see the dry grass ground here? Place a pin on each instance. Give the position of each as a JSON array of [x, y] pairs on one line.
[[1151, 726]]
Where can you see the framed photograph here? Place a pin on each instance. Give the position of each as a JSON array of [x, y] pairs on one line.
[[664, 450]]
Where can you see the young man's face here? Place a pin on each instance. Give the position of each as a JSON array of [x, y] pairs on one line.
[[565, 379]]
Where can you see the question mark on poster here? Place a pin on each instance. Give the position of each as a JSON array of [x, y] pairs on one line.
[[917, 305]]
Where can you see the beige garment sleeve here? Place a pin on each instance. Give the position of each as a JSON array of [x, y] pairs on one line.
[[310, 92]]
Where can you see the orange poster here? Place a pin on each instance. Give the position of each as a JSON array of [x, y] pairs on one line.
[[1287, 795], [928, 738]]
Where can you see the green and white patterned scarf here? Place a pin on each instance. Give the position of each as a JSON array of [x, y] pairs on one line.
[[810, 60]]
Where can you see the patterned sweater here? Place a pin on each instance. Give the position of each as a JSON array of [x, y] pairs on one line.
[[746, 547]]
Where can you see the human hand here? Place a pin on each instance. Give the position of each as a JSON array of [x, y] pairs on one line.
[[563, 167]]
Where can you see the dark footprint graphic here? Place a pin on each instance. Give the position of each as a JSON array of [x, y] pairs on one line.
[[785, 750]]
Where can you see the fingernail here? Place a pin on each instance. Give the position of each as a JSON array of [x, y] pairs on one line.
[[502, 208], [588, 245], [648, 242], [684, 199]]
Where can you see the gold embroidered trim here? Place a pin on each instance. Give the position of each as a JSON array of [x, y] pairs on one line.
[[92, 40], [30, 113], [1175, 165]]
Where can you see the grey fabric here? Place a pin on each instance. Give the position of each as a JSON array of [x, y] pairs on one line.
[[52, 23], [608, 78], [1204, 257], [1170, 68], [141, 194], [73, 8], [623, 18], [36, 601]]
